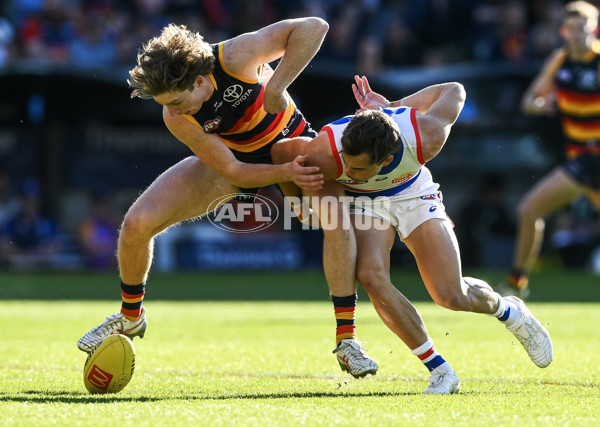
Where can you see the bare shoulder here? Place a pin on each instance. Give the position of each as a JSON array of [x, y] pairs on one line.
[[288, 149], [554, 60], [558, 54], [320, 154], [184, 129], [317, 151], [238, 60]]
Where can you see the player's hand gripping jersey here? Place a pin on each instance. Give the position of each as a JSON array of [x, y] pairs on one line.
[[405, 177]]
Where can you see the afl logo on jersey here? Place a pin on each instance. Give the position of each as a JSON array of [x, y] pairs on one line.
[[212, 125], [232, 93]]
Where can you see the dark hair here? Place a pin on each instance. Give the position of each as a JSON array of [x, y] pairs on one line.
[[171, 62], [372, 132]]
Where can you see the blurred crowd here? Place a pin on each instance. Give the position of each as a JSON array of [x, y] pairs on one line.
[[31, 239], [371, 34]]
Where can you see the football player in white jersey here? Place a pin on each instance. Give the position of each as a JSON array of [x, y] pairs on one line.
[[379, 154]]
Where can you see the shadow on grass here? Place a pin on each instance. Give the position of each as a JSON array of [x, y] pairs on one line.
[[36, 396]]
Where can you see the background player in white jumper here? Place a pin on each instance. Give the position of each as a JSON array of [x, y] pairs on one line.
[[380, 153]]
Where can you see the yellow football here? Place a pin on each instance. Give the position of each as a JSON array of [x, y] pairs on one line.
[[110, 367]]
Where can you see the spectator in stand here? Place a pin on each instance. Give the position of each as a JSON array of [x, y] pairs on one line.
[[513, 32], [487, 217], [47, 34], [98, 233], [411, 32], [400, 47], [9, 202], [251, 15], [30, 239], [7, 42], [344, 31], [94, 48], [543, 37], [369, 58], [441, 26]]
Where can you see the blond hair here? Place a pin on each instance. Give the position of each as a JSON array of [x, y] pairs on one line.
[[171, 62], [583, 9]]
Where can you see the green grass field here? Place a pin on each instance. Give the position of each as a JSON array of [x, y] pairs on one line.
[[255, 349]]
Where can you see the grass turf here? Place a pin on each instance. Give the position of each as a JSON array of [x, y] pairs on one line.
[[309, 285], [270, 364], [255, 349]]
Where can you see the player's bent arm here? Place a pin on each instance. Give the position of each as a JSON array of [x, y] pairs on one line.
[[218, 157], [435, 125], [538, 99], [431, 96], [296, 41]]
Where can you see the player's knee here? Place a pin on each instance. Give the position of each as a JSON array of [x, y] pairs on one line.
[[449, 300], [527, 211], [136, 224], [371, 277]]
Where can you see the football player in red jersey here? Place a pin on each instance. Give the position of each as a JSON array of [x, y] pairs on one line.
[[569, 84]]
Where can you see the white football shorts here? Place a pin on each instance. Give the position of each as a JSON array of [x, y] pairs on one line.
[[405, 215]]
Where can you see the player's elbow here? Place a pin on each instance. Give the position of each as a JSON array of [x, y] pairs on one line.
[[462, 93], [317, 25], [238, 179], [460, 97], [529, 107]]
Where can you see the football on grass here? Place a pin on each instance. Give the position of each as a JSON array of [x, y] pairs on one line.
[[110, 367]]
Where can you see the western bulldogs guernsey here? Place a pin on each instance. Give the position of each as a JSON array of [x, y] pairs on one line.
[[578, 99], [404, 177], [235, 111]]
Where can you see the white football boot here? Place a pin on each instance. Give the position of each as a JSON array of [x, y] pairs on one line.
[[443, 381], [353, 359], [114, 324], [532, 335]]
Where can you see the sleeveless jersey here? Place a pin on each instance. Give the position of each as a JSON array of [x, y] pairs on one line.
[[235, 110], [397, 178], [578, 100]]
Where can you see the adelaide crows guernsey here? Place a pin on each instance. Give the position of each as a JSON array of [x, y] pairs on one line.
[[578, 100], [235, 112], [405, 177]]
